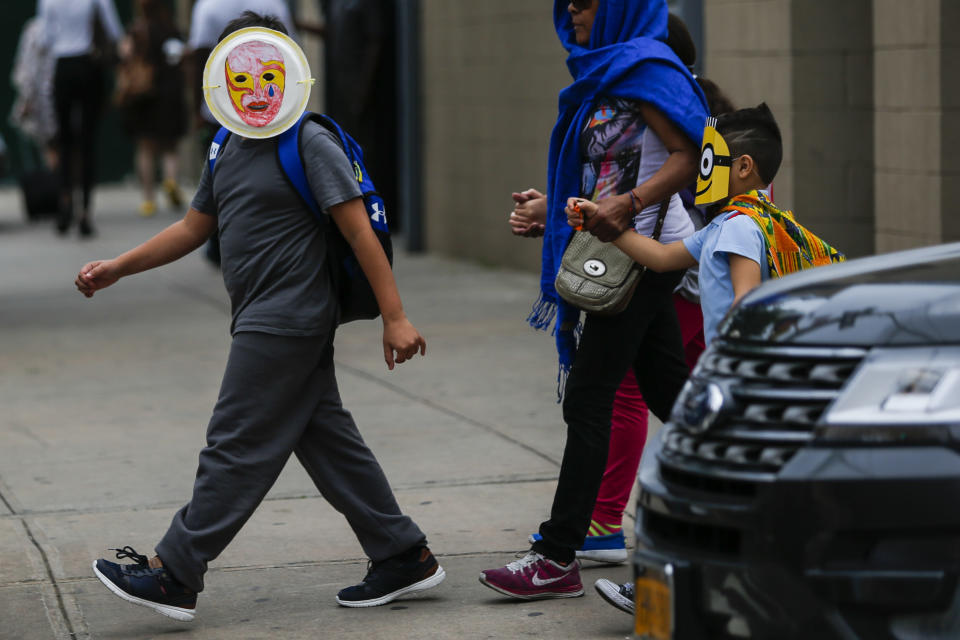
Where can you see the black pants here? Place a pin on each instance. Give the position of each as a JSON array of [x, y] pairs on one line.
[[645, 336], [78, 100]]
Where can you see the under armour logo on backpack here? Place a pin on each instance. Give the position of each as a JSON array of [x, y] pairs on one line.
[[379, 214], [214, 150]]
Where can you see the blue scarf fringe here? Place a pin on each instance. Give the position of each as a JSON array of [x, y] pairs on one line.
[[541, 317], [542, 314]]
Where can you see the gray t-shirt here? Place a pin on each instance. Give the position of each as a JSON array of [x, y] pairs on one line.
[[273, 251]]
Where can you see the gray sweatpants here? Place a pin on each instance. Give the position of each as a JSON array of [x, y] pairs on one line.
[[279, 396]]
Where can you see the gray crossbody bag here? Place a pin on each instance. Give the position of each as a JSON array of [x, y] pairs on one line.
[[596, 276]]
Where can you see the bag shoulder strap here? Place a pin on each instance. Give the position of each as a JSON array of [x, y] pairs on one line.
[[661, 218], [215, 147]]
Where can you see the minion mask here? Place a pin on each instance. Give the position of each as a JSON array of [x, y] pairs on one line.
[[257, 82], [713, 183]]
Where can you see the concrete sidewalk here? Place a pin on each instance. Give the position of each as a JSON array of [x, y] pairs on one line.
[[105, 403]]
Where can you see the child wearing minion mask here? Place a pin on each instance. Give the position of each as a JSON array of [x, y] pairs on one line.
[[744, 241]]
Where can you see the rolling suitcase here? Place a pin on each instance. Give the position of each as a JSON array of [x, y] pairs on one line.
[[40, 193]]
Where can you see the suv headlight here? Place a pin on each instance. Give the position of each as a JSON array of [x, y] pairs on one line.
[[898, 395]]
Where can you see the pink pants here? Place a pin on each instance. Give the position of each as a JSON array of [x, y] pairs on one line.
[[628, 427]]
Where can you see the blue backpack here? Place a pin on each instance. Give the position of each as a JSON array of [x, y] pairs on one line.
[[354, 293]]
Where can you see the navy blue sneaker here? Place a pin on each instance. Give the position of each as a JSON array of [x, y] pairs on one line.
[[152, 588], [409, 572]]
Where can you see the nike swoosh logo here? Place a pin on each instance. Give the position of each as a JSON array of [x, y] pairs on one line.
[[540, 583]]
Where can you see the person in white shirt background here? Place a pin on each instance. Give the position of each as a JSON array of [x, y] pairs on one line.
[[78, 93]]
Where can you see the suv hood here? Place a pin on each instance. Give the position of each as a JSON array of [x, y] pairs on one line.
[[904, 298]]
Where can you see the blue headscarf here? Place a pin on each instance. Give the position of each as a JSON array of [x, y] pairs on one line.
[[627, 58]]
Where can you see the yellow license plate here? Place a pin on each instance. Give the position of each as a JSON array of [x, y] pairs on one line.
[[654, 606]]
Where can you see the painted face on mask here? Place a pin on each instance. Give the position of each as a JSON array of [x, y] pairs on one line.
[[713, 183], [256, 78], [256, 82]]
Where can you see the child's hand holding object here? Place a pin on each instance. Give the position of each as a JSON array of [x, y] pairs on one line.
[[578, 210]]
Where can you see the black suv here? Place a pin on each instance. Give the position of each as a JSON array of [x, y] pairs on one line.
[[807, 484]]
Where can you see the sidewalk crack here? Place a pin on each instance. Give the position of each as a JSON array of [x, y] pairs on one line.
[[52, 579]]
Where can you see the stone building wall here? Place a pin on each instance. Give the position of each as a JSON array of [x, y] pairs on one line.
[[492, 71], [866, 93]]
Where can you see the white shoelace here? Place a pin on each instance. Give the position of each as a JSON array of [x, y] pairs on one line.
[[530, 558]]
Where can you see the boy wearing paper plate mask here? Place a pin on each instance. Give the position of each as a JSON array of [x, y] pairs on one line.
[[739, 158], [279, 392]]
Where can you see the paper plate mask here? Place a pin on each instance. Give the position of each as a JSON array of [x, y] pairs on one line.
[[713, 183], [257, 82]]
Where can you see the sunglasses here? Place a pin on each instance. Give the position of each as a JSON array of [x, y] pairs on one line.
[[581, 5]]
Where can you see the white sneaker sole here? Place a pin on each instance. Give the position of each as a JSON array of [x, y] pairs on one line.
[[606, 556], [610, 591], [423, 585], [535, 596], [177, 613]]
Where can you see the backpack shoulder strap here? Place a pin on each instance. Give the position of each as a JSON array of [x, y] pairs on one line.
[[291, 162], [218, 141], [371, 199]]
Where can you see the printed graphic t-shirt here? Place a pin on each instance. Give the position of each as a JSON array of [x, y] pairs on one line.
[[618, 151], [273, 250]]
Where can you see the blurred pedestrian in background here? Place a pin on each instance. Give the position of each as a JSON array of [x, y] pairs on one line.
[[151, 92], [208, 20], [360, 84], [78, 92], [32, 78], [34, 119]]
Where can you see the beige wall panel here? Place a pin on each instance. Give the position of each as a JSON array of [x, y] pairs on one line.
[[892, 241], [750, 79], [908, 205], [899, 23], [747, 53], [907, 78], [908, 123], [492, 72], [825, 132], [754, 26], [907, 141]]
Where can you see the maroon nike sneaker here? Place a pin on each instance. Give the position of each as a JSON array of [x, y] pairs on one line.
[[534, 577]]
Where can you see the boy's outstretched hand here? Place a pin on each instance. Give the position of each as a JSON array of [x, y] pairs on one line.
[[402, 338], [579, 210], [96, 275]]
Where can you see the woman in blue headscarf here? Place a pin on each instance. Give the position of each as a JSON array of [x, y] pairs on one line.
[[627, 136]]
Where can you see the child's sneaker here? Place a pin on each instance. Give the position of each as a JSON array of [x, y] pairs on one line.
[[534, 577], [608, 549], [415, 570], [619, 595], [152, 588]]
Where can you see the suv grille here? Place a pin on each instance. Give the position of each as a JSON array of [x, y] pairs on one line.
[[773, 398]]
